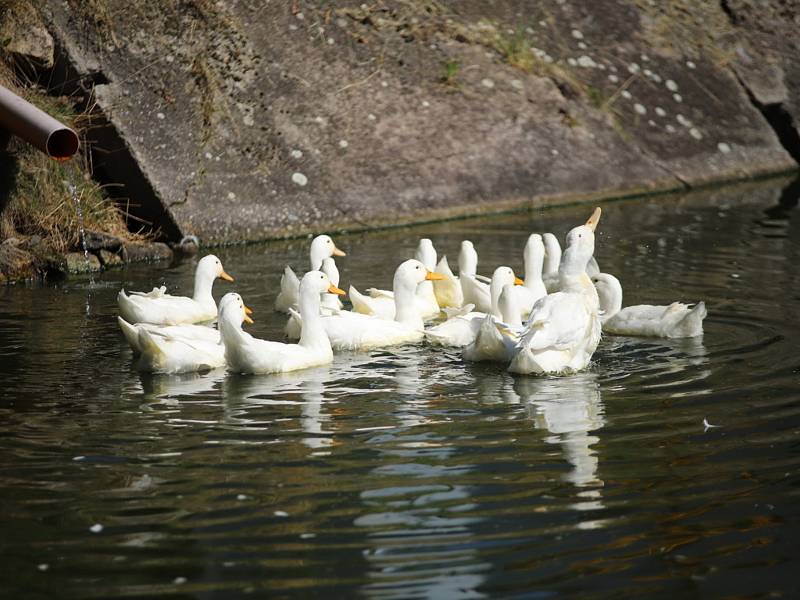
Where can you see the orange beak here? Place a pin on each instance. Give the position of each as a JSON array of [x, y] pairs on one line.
[[518, 281], [337, 252], [225, 276], [248, 320], [431, 276], [332, 289], [594, 219], [248, 311]]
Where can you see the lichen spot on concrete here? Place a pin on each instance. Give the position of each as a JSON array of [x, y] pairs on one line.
[[671, 85], [577, 34], [639, 108], [626, 94], [299, 179], [661, 112], [487, 83], [695, 133], [343, 144], [296, 154], [724, 148], [677, 97]]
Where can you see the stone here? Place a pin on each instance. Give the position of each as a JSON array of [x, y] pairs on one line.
[[143, 252], [110, 259], [24, 35], [76, 262], [15, 263], [96, 241]]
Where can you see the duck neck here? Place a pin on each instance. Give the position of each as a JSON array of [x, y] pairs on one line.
[[610, 298], [573, 278], [533, 270], [312, 334], [230, 331], [203, 282], [494, 291], [405, 306], [509, 308], [467, 262], [552, 258]]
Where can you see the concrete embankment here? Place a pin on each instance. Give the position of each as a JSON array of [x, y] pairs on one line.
[[251, 120]]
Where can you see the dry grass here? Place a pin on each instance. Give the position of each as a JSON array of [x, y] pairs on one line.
[[38, 201]]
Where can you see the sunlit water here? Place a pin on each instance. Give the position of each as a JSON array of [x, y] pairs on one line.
[[407, 473]]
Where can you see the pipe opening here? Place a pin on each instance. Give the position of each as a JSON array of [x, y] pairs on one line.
[[62, 143]]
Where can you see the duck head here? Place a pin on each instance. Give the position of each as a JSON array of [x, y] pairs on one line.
[[210, 267], [534, 256], [322, 247], [233, 312], [552, 253], [467, 259], [317, 283], [501, 277], [426, 254], [411, 273], [580, 246]]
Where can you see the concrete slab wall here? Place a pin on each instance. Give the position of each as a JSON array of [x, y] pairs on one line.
[[254, 119]]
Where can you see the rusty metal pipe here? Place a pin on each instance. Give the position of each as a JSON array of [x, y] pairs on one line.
[[36, 127]]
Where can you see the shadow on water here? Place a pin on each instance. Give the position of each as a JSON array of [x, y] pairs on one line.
[[790, 195]]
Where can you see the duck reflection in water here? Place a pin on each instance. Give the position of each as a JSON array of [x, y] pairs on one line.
[[570, 408], [421, 541], [171, 387], [253, 400]]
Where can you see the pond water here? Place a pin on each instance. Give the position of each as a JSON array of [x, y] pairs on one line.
[[407, 473]]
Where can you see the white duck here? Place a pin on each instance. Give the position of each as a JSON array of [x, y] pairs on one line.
[[187, 332], [177, 348], [380, 303], [496, 340], [246, 354], [356, 331], [475, 292], [462, 327], [159, 308], [533, 288], [676, 320], [322, 247], [448, 290], [563, 329]]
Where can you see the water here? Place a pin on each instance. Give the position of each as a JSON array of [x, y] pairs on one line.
[[76, 199], [406, 473]]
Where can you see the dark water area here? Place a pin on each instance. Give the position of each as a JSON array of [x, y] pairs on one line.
[[406, 473]]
